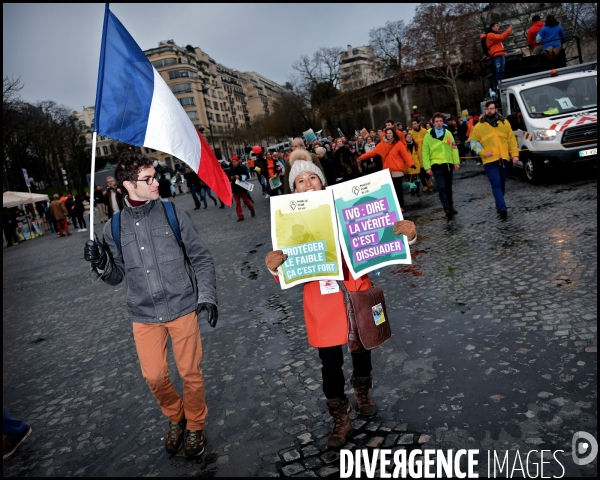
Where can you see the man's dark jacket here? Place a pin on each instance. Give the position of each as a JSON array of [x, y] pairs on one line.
[[161, 285]]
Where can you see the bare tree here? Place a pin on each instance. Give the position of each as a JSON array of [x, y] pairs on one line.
[[444, 41], [322, 68], [582, 20], [387, 44]]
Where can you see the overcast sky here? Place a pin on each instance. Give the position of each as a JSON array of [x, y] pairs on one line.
[[55, 48]]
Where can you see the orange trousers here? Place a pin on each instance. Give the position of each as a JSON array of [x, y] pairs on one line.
[[151, 345]]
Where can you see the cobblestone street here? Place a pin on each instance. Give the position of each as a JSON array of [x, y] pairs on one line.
[[493, 348]]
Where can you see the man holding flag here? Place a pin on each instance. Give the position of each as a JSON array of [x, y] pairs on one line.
[[154, 246], [168, 285]]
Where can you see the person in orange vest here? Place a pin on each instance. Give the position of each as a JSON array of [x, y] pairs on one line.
[[390, 124], [496, 50]]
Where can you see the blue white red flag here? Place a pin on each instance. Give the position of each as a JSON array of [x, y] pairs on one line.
[[134, 105]]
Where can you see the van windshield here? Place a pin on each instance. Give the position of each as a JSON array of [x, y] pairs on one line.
[[560, 97]]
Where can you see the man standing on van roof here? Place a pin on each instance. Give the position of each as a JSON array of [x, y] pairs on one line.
[[494, 141], [496, 50]]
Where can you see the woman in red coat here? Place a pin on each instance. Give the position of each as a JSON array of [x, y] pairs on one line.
[[327, 324], [395, 156]]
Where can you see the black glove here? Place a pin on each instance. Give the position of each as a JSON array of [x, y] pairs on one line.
[[95, 253], [211, 309]]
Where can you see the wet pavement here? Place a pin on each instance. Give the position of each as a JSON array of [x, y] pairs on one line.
[[493, 347]]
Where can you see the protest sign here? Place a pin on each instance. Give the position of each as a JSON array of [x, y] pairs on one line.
[[247, 185], [309, 135], [367, 209], [304, 226]]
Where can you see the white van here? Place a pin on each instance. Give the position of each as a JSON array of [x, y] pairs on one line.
[[554, 117]]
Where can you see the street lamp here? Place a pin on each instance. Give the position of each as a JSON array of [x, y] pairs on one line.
[[204, 91], [416, 115]]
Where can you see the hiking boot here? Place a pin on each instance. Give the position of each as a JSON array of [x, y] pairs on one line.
[[454, 211], [9, 445], [342, 428], [194, 443], [366, 405], [253, 214], [503, 214], [174, 438], [240, 219]]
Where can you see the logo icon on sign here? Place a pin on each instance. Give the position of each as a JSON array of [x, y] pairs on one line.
[[355, 190], [293, 204]]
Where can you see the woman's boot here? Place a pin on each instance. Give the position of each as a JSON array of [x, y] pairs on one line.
[[339, 409], [429, 184], [366, 405]]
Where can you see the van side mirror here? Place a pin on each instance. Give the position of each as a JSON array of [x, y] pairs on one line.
[[514, 121]]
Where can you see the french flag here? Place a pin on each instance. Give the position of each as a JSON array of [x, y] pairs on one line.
[[135, 106]]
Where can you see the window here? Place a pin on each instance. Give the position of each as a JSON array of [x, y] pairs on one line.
[[215, 105], [173, 74], [213, 93], [105, 150], [183, 87], [209, 115], [207, 103], [187, 101], [218, 117], [97, 150], [112, 148], [163, 63], [193, 115], [355, 51]]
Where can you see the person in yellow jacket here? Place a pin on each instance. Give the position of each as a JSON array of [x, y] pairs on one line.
[[494, 141], [418, 134], [440, 159]]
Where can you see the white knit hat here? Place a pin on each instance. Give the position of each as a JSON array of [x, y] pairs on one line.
[[302, 166]]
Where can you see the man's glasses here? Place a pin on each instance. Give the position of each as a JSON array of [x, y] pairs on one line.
[[148, 180]]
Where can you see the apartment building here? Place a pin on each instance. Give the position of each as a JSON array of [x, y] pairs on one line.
[[359, 68], [219, 100]]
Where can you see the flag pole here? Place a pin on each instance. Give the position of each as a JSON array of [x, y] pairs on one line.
[[92, 186], [97, 117]]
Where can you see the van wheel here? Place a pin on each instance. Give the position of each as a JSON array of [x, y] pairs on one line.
[[532, 170]]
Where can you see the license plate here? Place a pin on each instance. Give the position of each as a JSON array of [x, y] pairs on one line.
[[587, 153]]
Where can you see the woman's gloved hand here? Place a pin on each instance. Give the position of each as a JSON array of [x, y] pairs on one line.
[[274, 259], [407, 228]]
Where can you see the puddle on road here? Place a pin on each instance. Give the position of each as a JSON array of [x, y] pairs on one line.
[[414, 270]]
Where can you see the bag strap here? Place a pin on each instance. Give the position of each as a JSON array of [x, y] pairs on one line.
[[116, 230], [171, 217]]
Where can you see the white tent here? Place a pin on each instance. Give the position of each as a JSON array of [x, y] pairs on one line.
[[14, 199]]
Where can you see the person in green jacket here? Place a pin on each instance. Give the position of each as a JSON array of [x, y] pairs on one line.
[[440, 159]]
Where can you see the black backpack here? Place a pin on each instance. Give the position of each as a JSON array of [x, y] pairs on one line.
[[484, 47]]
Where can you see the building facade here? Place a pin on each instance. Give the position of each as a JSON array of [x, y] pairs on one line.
[[220, 101], [359, 68]]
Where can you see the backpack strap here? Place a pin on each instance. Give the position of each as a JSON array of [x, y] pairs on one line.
[[172, 217], [116, 230]]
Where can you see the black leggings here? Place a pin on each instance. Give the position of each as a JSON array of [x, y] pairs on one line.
[[397, 182], [81, 221], [332, 359]]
